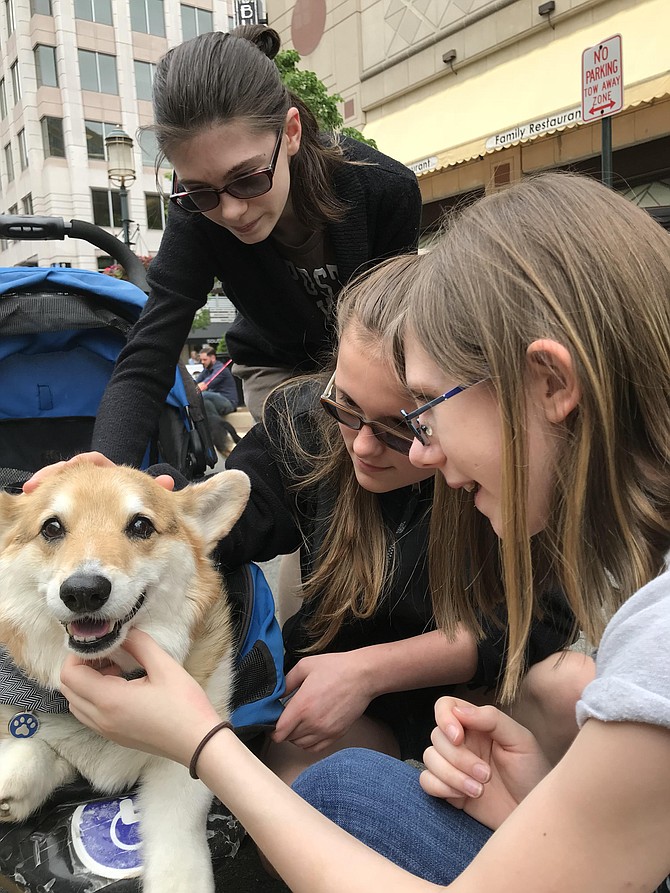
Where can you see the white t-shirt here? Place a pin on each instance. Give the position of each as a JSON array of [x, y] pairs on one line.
[[632, 681]]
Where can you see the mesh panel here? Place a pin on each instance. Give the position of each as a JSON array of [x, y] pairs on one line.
[[256, 676], [31, 314]]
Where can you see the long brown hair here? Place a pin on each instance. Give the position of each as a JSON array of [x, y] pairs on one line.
[[559, 257], [217, 78], [350, 571]]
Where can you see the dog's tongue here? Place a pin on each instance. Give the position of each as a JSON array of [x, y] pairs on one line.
[[85, 629]]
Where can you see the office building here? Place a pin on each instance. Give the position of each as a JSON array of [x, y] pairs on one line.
[[71, 71]]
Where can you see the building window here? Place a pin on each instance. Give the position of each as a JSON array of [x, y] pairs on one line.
[[96, 131], [9, 14], [150, 151], [147, 16], [52, 137], [94, 11], [23, 150], [9, 162], [45, 65], [3, 100], [14, 210], [144, 79], [195, 21], [27, 204], [155, 205], [106, 207], [231, 22], [40, 7], [16, 81], [98, 72]]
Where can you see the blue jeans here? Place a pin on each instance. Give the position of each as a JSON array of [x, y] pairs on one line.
[[216, 406], [378, 800]]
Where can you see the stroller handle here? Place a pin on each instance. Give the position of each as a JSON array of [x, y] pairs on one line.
[[16, 226]]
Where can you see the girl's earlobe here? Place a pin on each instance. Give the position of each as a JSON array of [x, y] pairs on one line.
[[553, 379]]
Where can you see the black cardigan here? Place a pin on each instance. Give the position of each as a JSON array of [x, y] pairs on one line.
[[280, 325]]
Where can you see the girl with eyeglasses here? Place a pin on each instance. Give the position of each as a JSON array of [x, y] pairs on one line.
[[558, 454], [281, 214]]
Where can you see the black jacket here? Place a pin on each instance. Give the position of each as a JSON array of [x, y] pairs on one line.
[[280, 325], [277, 521]]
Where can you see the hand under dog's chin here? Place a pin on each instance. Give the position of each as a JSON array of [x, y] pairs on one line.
[[116, 658]]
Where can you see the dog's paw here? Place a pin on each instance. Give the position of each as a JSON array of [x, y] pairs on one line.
[[29, 771], [21, 795], [17, 806]]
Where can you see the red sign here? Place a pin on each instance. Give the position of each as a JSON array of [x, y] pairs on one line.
[[602, 79]]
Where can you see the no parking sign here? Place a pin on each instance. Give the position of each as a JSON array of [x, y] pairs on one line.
[[602, 79]]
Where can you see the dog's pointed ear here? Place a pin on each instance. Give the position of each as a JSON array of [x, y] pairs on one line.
[[9, 509], [216, 503]]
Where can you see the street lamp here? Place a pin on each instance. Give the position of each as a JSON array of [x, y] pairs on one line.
[[121, 170]]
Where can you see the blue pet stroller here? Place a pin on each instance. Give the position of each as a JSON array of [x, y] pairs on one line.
[[60, 333]]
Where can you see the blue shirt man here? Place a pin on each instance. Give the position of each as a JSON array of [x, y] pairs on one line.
[[216, 378]]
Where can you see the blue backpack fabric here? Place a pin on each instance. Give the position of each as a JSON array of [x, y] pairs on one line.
[[61, 331], [259, 670]]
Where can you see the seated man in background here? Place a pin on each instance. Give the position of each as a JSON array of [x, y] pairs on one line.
[[219, 392]]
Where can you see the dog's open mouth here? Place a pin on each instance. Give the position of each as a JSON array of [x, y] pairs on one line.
[[91, 634]]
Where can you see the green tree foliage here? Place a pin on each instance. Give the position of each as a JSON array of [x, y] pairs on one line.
[[201, 319], [314, 94]]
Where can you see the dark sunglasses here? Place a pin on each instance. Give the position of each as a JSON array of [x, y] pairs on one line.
[[196, 201], [393, 438]]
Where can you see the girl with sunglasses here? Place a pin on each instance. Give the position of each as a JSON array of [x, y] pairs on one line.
[[558, 452], [283, 215]]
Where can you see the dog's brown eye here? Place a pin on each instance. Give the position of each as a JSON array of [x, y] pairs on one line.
[[52, 529], [140, 528]]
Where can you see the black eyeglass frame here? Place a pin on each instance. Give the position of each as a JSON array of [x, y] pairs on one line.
[[389, 437], [267, 172]]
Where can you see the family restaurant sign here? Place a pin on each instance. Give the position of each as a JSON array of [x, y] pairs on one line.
[[534, 128]]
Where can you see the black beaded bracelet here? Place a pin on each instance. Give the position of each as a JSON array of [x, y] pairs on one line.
[[196, 754]]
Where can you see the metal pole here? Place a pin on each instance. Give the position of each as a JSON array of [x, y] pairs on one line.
[[125, 220], [606, 151]]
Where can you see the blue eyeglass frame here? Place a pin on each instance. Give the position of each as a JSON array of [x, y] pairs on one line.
[[423, 432]]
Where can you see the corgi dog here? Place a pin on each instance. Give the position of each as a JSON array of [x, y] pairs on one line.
[[92, 552]]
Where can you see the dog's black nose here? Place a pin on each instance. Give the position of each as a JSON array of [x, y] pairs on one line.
[[85, 593]]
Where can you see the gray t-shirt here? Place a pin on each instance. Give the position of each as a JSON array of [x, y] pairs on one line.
[[632, 681]]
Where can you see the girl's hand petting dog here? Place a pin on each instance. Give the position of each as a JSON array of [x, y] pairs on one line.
[[95, 459], [165, 712], [481, 760]]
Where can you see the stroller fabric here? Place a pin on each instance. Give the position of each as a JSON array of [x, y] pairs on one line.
[[61, 331]]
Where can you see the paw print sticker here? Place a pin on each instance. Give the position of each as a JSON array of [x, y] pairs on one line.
[[23, 725]]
